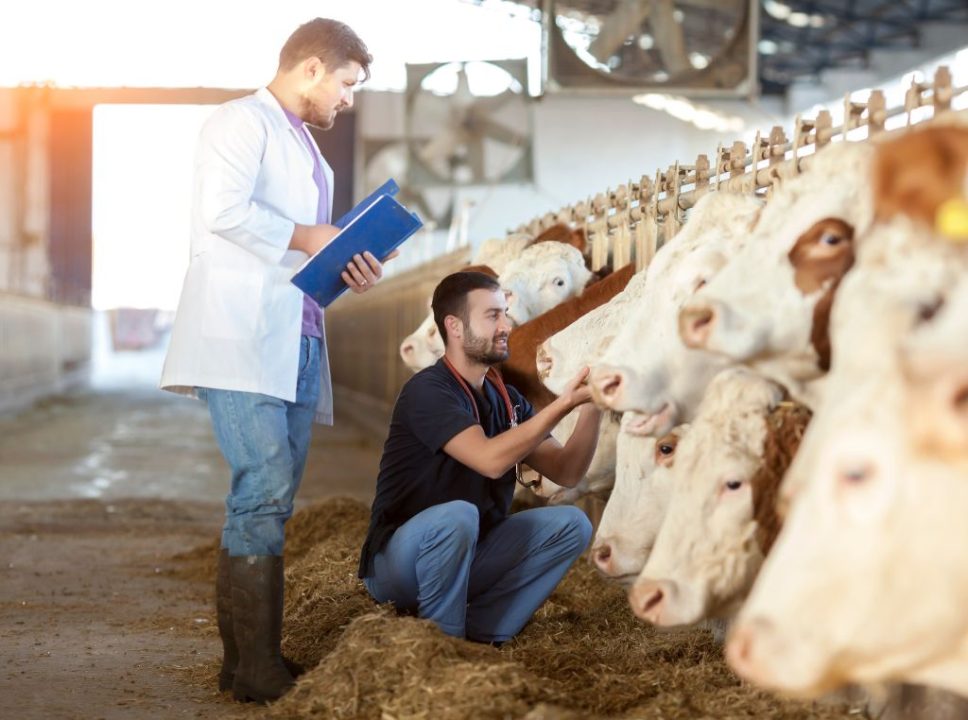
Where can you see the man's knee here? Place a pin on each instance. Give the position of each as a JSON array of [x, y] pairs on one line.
[[574, 526], [454, 525]]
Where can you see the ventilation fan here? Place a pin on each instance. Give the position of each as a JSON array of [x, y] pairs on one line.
[[387, 158], [691, 47], [468, 123]]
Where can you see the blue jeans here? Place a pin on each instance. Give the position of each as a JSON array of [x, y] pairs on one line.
[[483, 588], [265, 441]]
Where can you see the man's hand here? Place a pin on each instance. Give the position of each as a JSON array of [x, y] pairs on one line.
[[364, 271], [310, 239], [577, 392]]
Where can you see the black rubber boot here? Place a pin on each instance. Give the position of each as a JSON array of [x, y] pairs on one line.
[[223, 608], [257, 600], [223, 611]]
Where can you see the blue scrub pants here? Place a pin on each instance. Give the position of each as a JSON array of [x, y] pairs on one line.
[[485, 589], [265, 441]]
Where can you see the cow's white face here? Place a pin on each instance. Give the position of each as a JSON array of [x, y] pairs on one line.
[[545, 275], [868, 579], [582, 343], [769, 307], [423, 347], [643, 484], [706, 556], [648, 369]]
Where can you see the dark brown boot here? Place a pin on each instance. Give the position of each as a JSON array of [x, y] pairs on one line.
[[257, 600], [223, 611]]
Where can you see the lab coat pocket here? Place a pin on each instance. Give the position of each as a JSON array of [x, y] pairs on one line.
[[233, 301]]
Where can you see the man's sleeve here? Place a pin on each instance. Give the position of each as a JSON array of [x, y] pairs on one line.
[[435, 412], [228, 161]]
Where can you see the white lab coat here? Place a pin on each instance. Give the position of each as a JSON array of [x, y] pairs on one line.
[[239, 318]]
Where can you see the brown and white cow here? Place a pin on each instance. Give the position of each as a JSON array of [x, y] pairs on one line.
[[721, 518], [868, 580], [647, 368]]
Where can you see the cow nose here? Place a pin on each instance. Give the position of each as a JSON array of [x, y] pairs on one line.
[[607, 384], [742, 644], [543, 362], [602, 556], [647, 598], [696, 324]]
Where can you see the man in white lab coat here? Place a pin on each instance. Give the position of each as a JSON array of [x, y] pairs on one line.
[[247, 341]]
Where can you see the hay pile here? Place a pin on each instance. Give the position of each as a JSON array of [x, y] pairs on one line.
[[583, 655]]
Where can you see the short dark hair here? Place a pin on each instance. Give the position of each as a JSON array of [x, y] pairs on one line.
[[333, 42], [450, 296]]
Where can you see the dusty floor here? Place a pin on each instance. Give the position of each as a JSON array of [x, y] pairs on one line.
[[98, 492]]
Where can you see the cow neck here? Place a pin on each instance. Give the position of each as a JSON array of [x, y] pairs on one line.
[[495, 377]]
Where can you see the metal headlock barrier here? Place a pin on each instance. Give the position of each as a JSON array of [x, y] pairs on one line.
[[627, 224]]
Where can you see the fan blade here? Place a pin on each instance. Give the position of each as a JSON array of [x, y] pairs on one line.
[[475, 157], [626, 20], [490, 105], [498, 132], [668, 37], [440, 147]]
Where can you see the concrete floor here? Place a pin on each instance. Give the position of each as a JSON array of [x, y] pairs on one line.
[[124, 438], [100, 491]]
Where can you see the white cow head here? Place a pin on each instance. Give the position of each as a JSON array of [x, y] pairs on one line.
[[560, 357], [634, 512], [717, 527], [868, 579], [770, 305], [647, 368], [543, 276]]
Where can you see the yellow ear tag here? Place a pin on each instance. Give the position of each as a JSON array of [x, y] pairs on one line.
[[951, 220]]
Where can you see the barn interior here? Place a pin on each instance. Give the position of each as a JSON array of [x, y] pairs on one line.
[[495, 118]]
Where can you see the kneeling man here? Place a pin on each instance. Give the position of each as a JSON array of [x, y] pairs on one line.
[[441, 541]]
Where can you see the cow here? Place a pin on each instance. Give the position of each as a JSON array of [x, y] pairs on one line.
[[721, 518], [868, 579], [647, 368], [520, 368], [770, 306], [585, 340], [543, 276], [637, 504]]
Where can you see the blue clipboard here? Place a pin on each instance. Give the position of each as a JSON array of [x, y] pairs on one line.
[[379, 224]]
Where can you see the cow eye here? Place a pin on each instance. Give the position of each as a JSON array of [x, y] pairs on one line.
[[831, 239], [733, 484], [701, 282], [855, 475], [560, 282], [666, 449]]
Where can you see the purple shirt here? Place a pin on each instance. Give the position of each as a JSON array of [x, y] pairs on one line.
[[312, 314]]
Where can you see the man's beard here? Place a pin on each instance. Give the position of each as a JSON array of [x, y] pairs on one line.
[[481, 350], [315, 118]]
